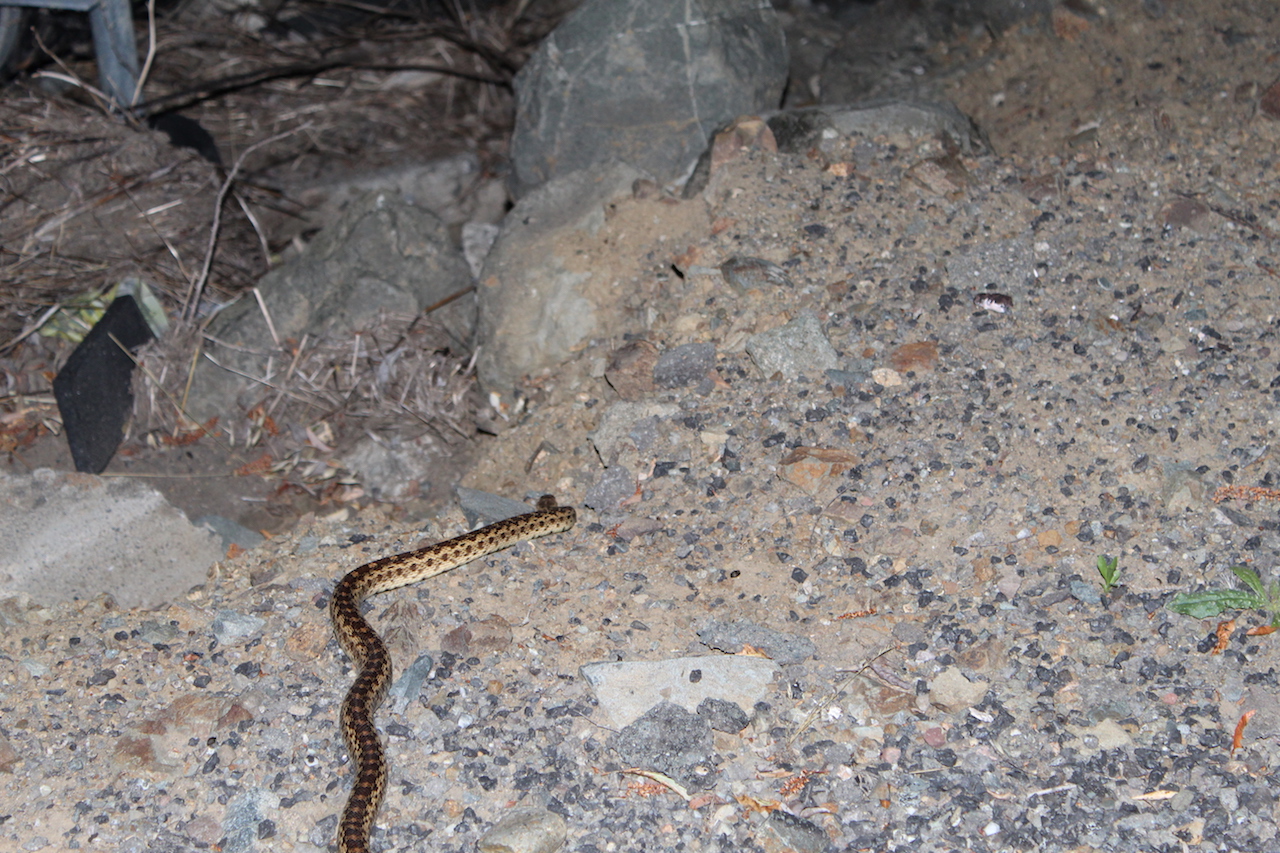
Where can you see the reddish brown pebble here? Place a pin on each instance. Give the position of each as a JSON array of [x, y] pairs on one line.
[[1269, 106], [921, 355]]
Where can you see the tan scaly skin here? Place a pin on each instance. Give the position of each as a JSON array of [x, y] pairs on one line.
[[365, 647]]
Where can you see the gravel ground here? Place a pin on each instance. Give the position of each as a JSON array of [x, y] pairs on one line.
[[912, 490]]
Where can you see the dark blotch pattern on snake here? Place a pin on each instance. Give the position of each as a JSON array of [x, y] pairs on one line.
[[365, 647]]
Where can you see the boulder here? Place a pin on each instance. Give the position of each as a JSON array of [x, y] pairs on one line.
[[382, 256], [643, 82]]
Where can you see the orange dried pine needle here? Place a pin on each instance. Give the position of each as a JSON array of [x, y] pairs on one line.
[[1248, 493], [647, 789], [1223, 631], [261, 465], [1238, 738], [190, 436], [1260, 630], [258, 416], [858, 614], [796, 783], [755, 804]]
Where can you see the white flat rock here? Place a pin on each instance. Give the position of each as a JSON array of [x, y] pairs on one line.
[[627, 690]]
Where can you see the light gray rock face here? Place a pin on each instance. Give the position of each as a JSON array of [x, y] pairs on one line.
[[799, 347], [394, 468], [75, 536], [525, 830], [534, 307], [644, 82], [384, 255], [627, 690]]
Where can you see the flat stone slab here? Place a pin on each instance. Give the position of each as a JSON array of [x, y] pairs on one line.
[[75, 536], [627, 690]]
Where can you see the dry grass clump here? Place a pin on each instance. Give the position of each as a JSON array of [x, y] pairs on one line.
[[88, 198], [391, 381], [86, 201]]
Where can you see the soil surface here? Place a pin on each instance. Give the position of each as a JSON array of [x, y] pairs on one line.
[[1060, 350]]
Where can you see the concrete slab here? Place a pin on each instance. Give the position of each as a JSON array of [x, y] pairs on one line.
[[67, 536]]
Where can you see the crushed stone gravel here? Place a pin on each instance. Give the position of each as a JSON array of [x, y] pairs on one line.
[[927, 513]]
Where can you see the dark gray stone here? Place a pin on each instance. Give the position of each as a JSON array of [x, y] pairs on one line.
[[486, 507], [795, 833], [672, 741], [781, 647], [797, 348], [644, 82], [94, 388], [723, 715], [684, 365], [615, 485]]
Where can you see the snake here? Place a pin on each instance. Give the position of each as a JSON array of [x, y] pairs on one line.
[[363, 645]]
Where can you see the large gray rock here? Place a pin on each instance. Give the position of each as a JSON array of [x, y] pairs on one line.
[[644, 82], [453, 188], [382, 256], [535, 306]]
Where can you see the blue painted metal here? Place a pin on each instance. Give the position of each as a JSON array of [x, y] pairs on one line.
[[113, 41]]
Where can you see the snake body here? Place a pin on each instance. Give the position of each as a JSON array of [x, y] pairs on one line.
[[365, 647]]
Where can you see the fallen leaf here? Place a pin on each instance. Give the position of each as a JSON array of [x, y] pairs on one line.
[[1224, 636], [1238, 737], [751, 803]]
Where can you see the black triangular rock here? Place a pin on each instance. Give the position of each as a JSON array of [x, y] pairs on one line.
[[94, 388]]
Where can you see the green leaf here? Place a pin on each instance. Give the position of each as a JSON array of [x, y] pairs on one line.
[[1204, 605], [1250, 577], [1107, 567]]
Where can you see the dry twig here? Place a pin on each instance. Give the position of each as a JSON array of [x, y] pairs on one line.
[[197, 286]]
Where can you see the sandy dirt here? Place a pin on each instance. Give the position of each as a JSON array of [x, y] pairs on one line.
[[929, 514]]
